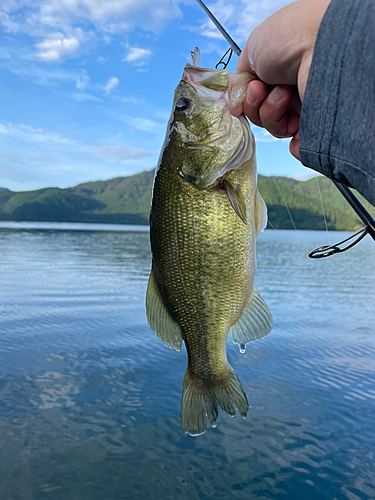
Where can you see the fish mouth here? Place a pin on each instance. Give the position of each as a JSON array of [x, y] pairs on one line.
[[213, 79]]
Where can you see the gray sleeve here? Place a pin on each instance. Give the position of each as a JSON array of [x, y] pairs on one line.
[[337, 129]]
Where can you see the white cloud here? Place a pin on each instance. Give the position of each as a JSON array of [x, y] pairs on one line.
[[224, 12], [8, 23], [79, 21], [133, 100], [42, 75], [120, 153], [83, 97], [137, 56], [35, 134], [254, 13], [82, 81], [211, 32], [111, 84], [239, 17], [126, 14], [11, 5], [55, 49], [144, 124], [107, 17]]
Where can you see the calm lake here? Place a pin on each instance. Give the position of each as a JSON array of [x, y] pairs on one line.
[[90, 399]]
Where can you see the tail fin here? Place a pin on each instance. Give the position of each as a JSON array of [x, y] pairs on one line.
[[199, 402]]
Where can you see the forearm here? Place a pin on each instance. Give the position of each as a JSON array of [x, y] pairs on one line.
[[337, 128]]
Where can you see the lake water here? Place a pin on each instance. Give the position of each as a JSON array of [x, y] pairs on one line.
[[90, 399]]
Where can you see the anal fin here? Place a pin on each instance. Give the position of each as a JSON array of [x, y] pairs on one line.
[[254, 323], [159, 319]]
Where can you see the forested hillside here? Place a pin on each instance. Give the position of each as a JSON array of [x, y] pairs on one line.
[[126, 200]]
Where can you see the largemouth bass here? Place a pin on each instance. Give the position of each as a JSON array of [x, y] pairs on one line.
[[206, 214]]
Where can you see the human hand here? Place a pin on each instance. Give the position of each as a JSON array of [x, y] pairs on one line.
[[279, 53]]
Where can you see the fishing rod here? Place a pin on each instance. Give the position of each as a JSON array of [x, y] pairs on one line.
[[363, 214], [367, 219]]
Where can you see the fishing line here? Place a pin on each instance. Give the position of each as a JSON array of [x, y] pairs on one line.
[[359, 293], [286, 206], [270, 223], [340, 264], [290, 216]]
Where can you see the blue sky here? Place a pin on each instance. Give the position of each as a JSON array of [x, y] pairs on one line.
[[86, 85]]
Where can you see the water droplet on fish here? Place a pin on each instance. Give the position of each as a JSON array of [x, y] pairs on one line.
[[242, 348]]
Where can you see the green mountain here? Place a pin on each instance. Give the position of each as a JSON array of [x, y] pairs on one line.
[[306, 202], [126, 200], [123, 200]]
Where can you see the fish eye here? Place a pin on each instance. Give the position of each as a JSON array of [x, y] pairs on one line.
[[182, 104]]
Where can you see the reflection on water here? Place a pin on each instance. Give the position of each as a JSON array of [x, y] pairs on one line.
[[90, 399]]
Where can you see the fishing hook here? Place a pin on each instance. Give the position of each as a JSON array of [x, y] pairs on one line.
[[222, 60]]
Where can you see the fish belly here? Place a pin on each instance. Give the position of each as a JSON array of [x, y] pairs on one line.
[[203, 267], [203, 262]]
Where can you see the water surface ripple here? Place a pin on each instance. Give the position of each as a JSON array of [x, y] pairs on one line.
[[90, 399]]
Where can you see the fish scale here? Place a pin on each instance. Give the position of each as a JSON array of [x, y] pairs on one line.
[[203, 237], [201, 282]]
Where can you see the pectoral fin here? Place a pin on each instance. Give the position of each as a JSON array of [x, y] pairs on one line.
[[261, 218], [255, 322], [237, 201], [159, 319]]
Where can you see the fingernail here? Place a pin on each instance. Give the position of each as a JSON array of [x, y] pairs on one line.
[[275, 95], [250, 96]]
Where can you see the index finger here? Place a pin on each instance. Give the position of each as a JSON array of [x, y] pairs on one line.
[[243, 64]]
